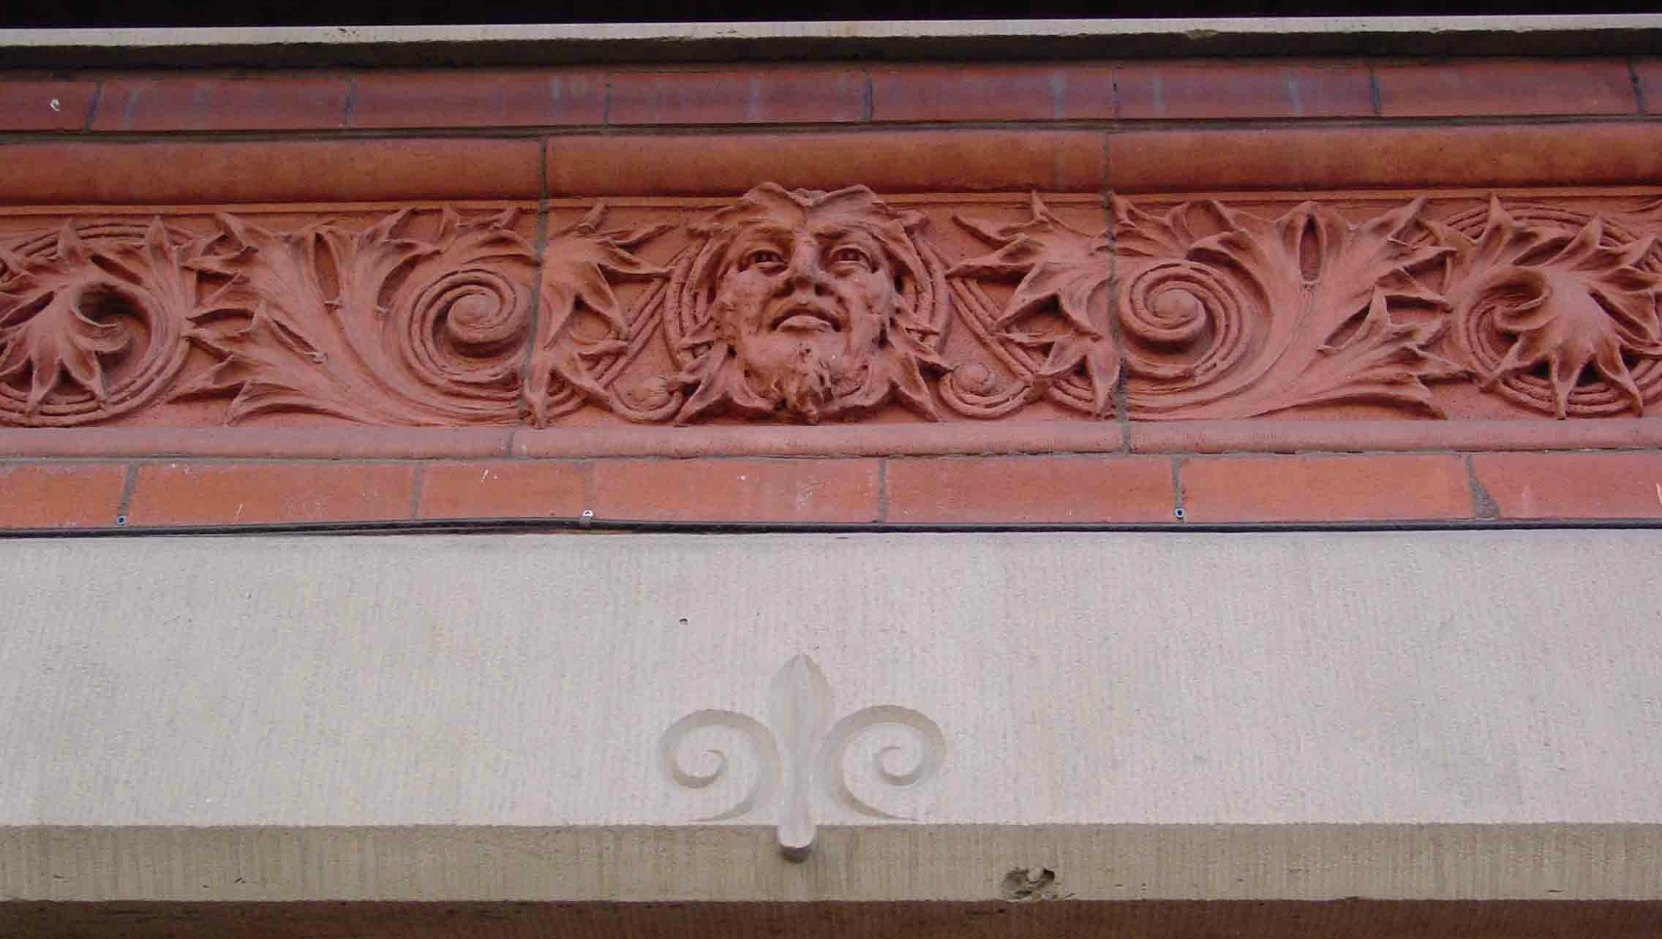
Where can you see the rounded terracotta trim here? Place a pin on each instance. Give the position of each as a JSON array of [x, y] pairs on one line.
[[1032, 437]]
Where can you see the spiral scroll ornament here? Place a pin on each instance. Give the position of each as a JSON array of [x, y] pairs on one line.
[[92, 321], [800, 750], [1183, 321], [1556, 311]]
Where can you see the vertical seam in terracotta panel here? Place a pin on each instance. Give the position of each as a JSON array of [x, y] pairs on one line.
[[92, 106], [1122, 411], [883, 490], [585, 472], [1483, 504], [865, 105], [128, 484], [350, 115], [1638, 86], [128, 104], [532, 334], [1373, 88], [1058, 93], [605, 108], [1114, 91], [1177, 489], [418, 479]]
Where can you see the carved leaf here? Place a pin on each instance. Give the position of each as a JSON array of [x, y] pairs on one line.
[[1572, 304], [67, 318], [372, 325], [1056, 267], [1270, 294], [578, 270]]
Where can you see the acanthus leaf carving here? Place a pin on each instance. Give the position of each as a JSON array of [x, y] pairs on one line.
[[1556, 313], [374, 326], [1058, 269], [1230, 314], [570, 366], [803, 306], [90, 321]]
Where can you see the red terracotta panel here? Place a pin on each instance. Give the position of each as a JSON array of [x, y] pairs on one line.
[[269, 171], [1203, 92], [966, 92], [1572, 485], [502, 489], [756, 96], [478, 99], [1336, 158], [1324, 488], [60, 495], [887, 161], [1030, 489], [177, 103], [737, 490], [251, 493], [1506, 88], [1649, 74], [45, 105]]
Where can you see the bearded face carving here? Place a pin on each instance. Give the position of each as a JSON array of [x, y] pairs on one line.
[[806, 306]]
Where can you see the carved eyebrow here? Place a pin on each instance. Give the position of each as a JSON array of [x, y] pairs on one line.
[[848, 233]]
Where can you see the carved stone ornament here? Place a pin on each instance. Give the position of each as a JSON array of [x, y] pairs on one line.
[[802, 750], [803, 307]]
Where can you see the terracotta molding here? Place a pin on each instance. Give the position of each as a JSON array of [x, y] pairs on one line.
[[258, 442], [1035, 437], [382, 46], [1250, 436], [888, 161], [1581, 153], [270, 171]]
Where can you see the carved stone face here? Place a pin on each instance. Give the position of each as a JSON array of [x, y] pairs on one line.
[[806, 290], [803, 302]]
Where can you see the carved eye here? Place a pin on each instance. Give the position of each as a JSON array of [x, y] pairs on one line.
[[768, 259], [849, 254]]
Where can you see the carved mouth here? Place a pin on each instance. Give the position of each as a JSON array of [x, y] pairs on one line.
[[802, 318]]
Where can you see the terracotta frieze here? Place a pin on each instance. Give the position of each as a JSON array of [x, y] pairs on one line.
[[812, 307]]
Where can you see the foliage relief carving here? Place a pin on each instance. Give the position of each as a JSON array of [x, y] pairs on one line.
[[805, 306]]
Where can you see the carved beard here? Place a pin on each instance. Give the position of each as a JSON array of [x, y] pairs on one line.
[[801, 380]]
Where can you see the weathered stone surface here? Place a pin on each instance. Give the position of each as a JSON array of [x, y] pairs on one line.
[[1297, 716]]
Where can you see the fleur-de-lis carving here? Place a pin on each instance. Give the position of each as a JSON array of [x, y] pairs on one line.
[[803, 749]]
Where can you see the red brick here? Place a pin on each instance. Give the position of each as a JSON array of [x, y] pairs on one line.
[[1572, 485], [1199, 92], [1649, 74], [1506, 88], [1336, 158], [502, 489], [737, 490], [270, 171], [478, 99], [1030, 489], [60, 495], [249, 493], [964, 93], [267, 103], [45, 105], [1324, 488], [888, 161], [758, 96]]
